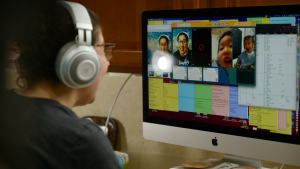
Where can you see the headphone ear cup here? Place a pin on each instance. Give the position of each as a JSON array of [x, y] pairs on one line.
[[77, 66]]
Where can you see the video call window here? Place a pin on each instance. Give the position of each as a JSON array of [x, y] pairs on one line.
[[221, 49]]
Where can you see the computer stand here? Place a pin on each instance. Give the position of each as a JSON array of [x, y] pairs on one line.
[[242, 161]]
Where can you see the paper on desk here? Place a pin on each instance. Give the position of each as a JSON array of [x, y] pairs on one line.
[[210, 160], [225, 165], [269, 168]]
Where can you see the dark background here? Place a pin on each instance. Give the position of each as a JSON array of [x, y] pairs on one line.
[[201, 36]]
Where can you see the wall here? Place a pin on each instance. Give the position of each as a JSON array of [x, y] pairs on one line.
[[243, 35], [214, 49], [121, 21]]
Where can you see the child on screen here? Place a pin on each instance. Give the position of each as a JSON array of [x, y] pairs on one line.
[[224, 51], [247, 58]]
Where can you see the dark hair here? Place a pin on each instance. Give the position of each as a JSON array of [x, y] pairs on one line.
[[43, 34], [183, 33], [249, 37], [163, 36], [229, 32]]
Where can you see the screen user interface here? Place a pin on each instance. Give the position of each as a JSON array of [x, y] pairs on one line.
[[239, 72]]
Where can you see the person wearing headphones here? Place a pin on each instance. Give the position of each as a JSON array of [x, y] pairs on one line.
[[182, 57], [164, 49], [60, 66], [164, 45]]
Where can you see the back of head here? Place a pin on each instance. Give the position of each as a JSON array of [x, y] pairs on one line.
[[40, 34]]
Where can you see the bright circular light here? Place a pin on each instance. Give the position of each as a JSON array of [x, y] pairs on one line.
[[162, 63]]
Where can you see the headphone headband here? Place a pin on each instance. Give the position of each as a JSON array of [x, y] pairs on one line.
[[77, 64], [181, 33], [168, 39], [163, 35], [81, 21]]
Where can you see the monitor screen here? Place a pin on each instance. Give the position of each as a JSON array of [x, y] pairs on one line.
[[232, 71]]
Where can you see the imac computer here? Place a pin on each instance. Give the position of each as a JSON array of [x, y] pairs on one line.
[[225, 80]]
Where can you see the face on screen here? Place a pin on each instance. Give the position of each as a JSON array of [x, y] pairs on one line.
[[182, 45], [225, 51], [163, 46], [248, 45]]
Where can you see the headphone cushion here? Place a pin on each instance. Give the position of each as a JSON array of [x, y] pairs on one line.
[[83, 69], [77, 67]]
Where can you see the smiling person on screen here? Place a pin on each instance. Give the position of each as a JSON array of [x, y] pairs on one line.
[[182, 57]]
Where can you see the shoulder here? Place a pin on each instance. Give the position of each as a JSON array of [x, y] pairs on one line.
[[189, 53], [243, 54], [57, 131], [176, 53], [84, 131], [8, 94], [92, 149], [215, 63], [46, 109], [89, 134]]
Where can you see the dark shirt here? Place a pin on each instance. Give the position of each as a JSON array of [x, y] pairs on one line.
[[182, 61], [41, 133]]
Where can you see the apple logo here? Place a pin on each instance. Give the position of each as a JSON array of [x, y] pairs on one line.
[[214, 141]]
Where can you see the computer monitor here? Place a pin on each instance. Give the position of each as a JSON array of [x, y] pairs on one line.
[[224, 80]]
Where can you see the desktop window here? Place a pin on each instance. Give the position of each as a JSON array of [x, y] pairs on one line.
[[240, 72]]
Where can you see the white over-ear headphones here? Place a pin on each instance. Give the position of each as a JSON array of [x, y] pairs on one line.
[[169, 42], [188, 39], [77, 64]]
